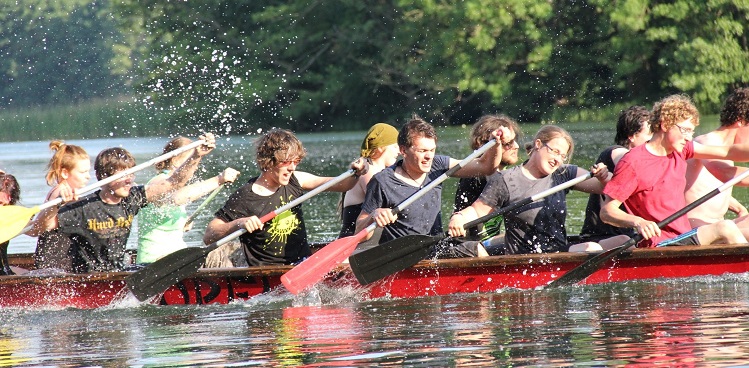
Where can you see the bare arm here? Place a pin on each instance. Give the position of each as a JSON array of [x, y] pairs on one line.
[[309, 181], [601, 176], [735, 152], [470, 213], [724, 171], [736, 207], [160, 191], [613, 215], [194, 191], [490, 161]]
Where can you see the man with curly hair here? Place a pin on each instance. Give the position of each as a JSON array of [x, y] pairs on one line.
[[734, 118], [283, 240], [650, 180]]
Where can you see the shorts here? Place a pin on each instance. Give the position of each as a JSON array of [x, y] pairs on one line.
[[455, 248], [688, 238]]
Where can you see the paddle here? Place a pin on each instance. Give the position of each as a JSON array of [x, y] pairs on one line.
[[396, 255], [177, 266], [314, 268], [13, 219], [202, 205], [591, 265]]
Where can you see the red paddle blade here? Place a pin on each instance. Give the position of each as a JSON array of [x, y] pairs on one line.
[[314, 268]]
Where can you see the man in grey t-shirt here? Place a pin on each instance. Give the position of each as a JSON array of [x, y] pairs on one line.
[[420, 166]]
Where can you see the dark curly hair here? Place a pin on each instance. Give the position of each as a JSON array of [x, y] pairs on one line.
[[736, 107], [630, 122]]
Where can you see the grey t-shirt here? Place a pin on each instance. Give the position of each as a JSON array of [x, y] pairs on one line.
[[423, 216], [537, 227]]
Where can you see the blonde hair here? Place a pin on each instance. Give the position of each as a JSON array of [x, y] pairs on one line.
[[65, 157], [546, 134], [671, 110]]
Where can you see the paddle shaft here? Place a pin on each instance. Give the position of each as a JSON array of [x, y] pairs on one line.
[[313, 269], [396, 255], [125, 173], [590, 266], [528, 200], [176, 266], [202, 205], [270, 215]]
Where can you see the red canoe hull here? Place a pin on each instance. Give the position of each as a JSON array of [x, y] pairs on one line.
[[426, 278]]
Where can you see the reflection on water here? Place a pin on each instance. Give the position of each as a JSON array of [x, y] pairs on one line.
[[699, 322]]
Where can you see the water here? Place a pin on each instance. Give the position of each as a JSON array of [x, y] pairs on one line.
[[692, 322], [667, 323]]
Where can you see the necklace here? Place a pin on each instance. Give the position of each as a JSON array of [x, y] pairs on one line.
[[411, 177]]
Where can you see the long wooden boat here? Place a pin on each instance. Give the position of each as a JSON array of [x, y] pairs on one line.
[[467, 275]]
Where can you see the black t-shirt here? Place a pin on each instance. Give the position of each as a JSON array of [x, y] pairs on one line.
[[593, 228], [98, 231], [283, 240]]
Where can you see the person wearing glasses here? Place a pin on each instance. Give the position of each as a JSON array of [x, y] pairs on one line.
[[284, 239], [538, 227], [650, 180], [702, 176]]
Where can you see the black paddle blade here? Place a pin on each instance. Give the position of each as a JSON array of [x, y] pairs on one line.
[[396, 255], [590, 266], [167, 271]]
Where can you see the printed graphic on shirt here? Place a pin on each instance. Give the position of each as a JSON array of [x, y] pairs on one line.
[[110, 225], [280, 228]]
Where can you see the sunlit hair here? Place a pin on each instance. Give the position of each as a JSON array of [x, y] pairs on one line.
[[672, 110], [112, 160], [65, 157], [9, 185], [483, 128], [630, 122], [414, 129], [172, 145], [546, 134], [276, 146], [736, 107]]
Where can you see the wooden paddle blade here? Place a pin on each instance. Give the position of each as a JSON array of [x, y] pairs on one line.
[[590, 266], [388, 258], [13, 219], [314, 268], [171, 269]]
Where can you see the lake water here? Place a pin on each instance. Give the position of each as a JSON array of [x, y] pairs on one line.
[[687, 322]]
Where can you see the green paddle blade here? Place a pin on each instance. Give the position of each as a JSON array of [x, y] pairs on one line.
[[13, 219]]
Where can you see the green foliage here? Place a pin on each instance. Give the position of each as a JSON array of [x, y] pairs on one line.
[[58, 51], [234, 66]]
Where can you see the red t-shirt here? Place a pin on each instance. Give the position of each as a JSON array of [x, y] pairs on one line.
[[652, 187]]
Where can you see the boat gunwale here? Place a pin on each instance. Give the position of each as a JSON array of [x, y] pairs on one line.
[[455, 263]]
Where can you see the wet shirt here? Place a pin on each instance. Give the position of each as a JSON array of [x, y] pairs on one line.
[[98, 231], [283, 240], [537, 227], [423, 216], [652, 187]]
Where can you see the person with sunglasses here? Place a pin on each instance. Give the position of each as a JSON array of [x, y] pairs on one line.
[[538, 227], [284, 239], [650, 180]]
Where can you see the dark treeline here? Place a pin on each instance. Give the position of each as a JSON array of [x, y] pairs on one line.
[[235, 65]]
